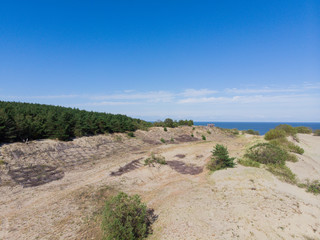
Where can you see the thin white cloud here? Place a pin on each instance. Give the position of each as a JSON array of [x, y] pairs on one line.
[[262, 90], [104, 103], [197, 92]]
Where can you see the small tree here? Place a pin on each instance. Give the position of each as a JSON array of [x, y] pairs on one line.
[[125, 218], [220, 158]]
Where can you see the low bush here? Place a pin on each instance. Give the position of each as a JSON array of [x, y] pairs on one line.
[[314, 187], [267, 153], [288, 129], [220, 159], [155, 159], [131, 134], [171, 140], [162, 140], [316, 132], [204, 137], [283, 172], [125, 217], [192, 135], [252, 132], [286, 144], [208, 132], [303, 130], [274, 134], [165, 129]]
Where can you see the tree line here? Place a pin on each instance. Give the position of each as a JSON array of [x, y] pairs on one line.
[[22, 121]]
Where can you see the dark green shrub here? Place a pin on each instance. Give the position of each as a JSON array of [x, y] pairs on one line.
[[267, 153], [155, 159], [192, 135], [274, 134], [220, 159], [316, 132], [193, 128], [165, 129], [314, 187], [252, 132], [204, 137], [162, 140], [303, 130], [131, 134], [125, 218]]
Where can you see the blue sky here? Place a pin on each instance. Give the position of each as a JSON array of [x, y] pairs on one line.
[[203, 60]]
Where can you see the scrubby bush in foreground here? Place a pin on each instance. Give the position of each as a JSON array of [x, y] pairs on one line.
[[303, 130], [267, 153], [287, 145], [220, 158], [314, 187], [125, 218]]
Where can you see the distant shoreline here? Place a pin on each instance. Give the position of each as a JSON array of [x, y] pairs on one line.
[[262, 127]]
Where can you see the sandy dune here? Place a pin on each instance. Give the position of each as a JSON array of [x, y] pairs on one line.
[[239, 203]]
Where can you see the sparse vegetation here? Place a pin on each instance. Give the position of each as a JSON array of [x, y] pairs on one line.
[[314, 187], [155, 159], [204, 137], [192, 135], [171, 140], [248, 163], [283, 172], [286, 144], [125, 218], [208, 132], [220, 159], [162, 140], [165, 129]]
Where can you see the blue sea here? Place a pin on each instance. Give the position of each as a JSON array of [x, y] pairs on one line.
[[262, 127]]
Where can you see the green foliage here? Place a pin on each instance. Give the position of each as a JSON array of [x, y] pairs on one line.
[[314, 187], [274, 134], [287, 145], [267, 153], [204, 137], [172, 124], [131, 134], [252, 132], [192, 135], [288, 129], [162, 140], [248, 163], [193, 128], [19, 121], [302, 129], [125, 218], [208, 132], [165, 129], [283, 172], [316, 132], [220, 158], [171, 140], [155, 159]]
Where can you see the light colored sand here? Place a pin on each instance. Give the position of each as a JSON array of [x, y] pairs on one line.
[[239, 203], [308, 166]]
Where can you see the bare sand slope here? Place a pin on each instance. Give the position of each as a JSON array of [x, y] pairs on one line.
[[239, 203], [308, 166]]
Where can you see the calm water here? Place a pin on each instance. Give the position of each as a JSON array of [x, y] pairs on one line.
[[262, 127]]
